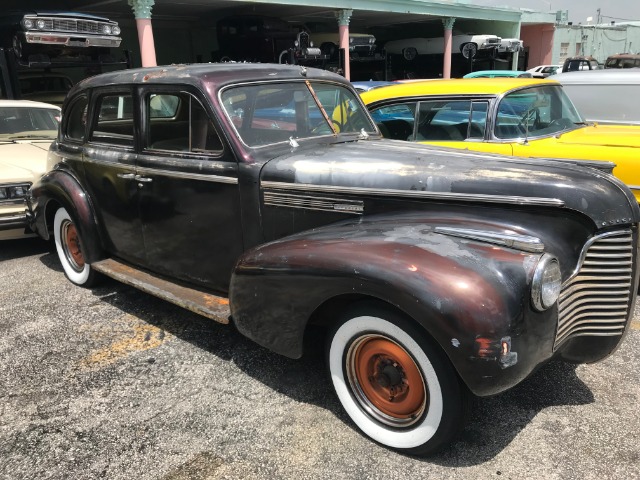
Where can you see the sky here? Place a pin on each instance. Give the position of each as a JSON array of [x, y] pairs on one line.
[[579, 10]]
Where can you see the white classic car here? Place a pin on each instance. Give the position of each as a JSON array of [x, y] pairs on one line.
[[26, 130], [511, 45], [608, 96], [411, 47]]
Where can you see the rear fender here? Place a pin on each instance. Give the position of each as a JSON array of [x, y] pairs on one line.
[[56, 188]]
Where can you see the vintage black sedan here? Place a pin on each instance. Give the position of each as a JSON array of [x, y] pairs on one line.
[[264, 195]]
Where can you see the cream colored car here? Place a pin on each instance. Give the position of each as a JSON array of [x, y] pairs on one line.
[[26, 130]]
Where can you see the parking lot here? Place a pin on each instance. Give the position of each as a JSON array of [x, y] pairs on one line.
[[113, 383]]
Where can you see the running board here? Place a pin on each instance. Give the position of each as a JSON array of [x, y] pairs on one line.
[[210, 306]]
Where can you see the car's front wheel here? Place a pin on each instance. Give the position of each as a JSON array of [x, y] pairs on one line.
[[70, 250], [396, 385]]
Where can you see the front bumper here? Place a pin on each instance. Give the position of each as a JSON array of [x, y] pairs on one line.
[[14, 225], [71, 40]]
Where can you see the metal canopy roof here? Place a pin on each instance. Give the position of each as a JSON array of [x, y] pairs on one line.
[[366, 13]]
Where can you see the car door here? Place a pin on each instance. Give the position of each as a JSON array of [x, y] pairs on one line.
[[109, 167], [188, 186]]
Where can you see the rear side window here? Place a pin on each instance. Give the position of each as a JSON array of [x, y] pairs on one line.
[[451, 120], [114, 122], [178, 122], [77, 120]]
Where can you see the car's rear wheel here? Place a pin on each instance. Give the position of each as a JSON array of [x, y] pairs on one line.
[[396, 385], [70, 250]]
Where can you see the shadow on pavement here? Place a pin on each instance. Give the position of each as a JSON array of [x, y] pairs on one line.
[[24, 247], [494, 422]]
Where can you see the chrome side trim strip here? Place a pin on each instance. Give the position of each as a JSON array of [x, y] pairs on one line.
[[167, 173], [388, 192], [520, 242], [188, 175], [355, 207], [130, 166]]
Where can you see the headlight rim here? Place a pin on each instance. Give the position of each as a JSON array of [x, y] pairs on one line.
[[537, 286]]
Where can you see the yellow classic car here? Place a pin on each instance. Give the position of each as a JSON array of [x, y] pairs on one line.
[[27, 129], [524, 117]]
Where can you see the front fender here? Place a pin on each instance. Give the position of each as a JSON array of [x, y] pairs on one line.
[[59, 187], [466, 294]]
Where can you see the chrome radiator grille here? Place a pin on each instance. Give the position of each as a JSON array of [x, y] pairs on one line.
[[596, 300], [81, 26], [71, 25]]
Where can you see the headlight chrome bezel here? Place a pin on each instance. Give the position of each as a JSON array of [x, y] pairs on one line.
[[547, 283], [14, 192]]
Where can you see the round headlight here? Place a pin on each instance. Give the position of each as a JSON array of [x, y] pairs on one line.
[[40, 24], [115, 30], [547, 282], [351, 39], [28, 23], [311, 44], [372, 40], [106, 29], [296, 43]]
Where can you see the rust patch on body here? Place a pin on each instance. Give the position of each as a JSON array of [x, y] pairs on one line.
[[202, 303]]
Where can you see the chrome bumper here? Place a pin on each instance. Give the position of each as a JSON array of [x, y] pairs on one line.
[[72, 40]]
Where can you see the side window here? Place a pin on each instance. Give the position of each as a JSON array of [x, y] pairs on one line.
[[396, 121], [179, 123], [443, 121], [114, 122], [77, 120]]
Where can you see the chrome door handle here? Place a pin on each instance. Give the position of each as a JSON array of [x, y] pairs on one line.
[[143, 179], [126, 176]]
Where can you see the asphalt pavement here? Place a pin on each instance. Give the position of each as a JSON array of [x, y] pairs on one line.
[[113, 383]]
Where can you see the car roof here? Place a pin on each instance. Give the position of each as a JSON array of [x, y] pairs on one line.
[[457, 86], [624, 55], [26, 104], [615, 76], [214, 75]]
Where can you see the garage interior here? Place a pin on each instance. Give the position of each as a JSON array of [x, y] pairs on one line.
[[185, 31]]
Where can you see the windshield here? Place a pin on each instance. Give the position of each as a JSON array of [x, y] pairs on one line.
[[534, 112], [28, 123], [270, 113]]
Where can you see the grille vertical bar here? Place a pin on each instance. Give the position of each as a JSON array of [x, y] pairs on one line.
[[596, 300]]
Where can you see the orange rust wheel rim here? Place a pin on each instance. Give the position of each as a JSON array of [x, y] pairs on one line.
[[387, 381], [72, 246]]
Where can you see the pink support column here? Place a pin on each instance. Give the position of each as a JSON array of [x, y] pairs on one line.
[[145, 38], [448, 35], [142, 12], [343, 17]]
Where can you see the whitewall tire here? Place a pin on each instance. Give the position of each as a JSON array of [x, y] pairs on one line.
[[70, 250], [393, 383]]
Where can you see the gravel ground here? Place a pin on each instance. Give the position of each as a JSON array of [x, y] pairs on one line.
[[113, 383]]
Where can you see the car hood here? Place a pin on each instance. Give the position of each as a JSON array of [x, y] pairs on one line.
[[403, 169], [602, 135], [20, 162]]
